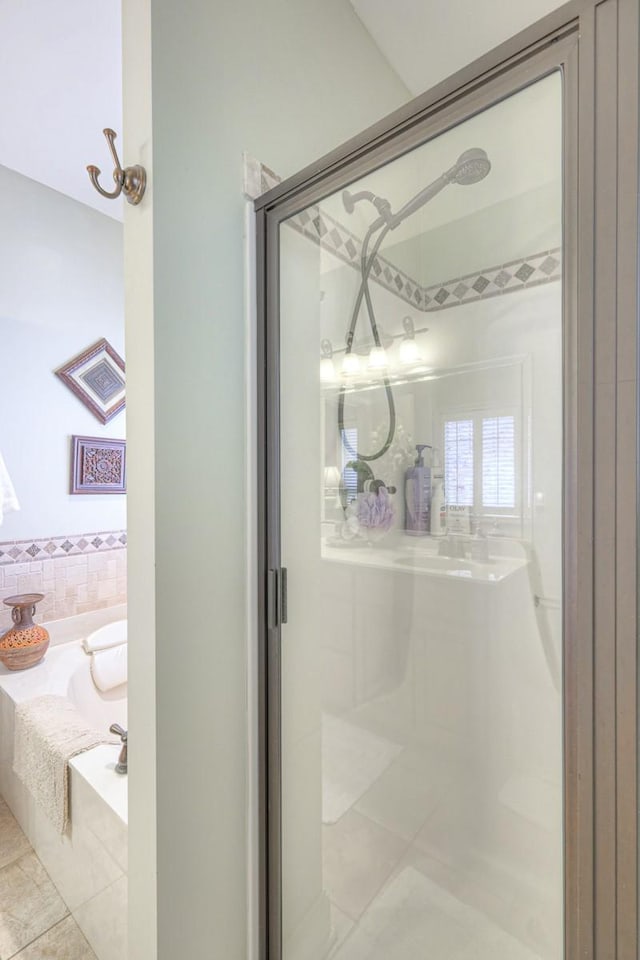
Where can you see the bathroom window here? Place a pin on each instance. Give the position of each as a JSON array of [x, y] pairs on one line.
[[481, 462]]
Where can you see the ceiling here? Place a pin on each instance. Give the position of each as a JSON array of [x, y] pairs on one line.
[[61, 83], [465, 31], [61, 73]]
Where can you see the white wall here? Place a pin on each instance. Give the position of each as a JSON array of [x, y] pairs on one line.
[[62, 63], [61, 290], [286, 82]]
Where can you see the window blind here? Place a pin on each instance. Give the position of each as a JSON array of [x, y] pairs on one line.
[[458, 462], [498, 462], [350, 477]]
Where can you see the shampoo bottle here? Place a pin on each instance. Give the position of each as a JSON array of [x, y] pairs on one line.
[[417, 496]]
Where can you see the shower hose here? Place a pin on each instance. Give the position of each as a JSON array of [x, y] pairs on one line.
[[366, 263]]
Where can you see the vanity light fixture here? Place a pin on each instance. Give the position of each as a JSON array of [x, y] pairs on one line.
[[351, 364], [408, 351], [378, 359], [351, 361], [327, 369]]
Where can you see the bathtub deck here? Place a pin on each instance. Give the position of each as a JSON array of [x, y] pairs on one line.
[[87, 866]]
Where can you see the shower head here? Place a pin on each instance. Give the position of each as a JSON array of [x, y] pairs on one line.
[[472, 166], [349, 201]]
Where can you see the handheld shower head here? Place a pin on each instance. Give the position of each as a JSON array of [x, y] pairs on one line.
[[471, 166]]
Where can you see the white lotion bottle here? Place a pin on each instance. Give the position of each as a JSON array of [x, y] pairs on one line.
[[438, 506]]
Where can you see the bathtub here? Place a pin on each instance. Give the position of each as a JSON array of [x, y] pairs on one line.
[[89, 866]]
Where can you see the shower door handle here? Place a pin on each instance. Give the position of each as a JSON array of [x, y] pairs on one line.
[[282, 594], [276, 597]]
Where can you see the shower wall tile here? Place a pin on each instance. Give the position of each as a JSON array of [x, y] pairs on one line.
[[72, 583]]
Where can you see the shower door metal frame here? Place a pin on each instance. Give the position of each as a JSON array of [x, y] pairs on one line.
[[595, 44]]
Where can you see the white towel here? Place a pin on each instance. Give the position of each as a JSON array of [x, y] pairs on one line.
[[8, 498], [111, 635], [109, 667], [49, 731]]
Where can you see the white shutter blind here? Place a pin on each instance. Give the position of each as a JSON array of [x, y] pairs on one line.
[[498, 462], [458, 462], [350, 477]]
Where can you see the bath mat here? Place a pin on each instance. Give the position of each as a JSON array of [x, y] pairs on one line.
[[49, 731], [352, 760]]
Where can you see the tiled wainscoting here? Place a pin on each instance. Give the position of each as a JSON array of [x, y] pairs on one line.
[[75, 580]]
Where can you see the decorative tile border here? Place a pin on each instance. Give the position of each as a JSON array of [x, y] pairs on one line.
[[543, 267], [331, 235], [50, 548]]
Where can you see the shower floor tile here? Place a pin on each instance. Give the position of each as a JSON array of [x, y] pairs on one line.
[[359, 857], [401, 799], [415, 917]]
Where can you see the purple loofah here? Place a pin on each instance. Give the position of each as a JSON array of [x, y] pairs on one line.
[[373, 511]]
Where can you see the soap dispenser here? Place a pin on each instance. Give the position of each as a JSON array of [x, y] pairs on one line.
[[417, 496]]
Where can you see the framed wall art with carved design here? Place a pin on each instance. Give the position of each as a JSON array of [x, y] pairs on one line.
[[98, 465]]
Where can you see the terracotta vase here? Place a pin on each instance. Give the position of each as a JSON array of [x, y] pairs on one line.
[[26, 643]]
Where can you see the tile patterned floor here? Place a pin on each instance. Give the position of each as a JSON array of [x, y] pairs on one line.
[[34, 920], [402, 882]]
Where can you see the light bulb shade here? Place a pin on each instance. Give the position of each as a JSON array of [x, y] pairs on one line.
[[351, 364], [378, 358], [331, 477], [409, 352], [327, 370]]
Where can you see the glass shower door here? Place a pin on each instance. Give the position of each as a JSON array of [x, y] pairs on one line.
[[421, 453]]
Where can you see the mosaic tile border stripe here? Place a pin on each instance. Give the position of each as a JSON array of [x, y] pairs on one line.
[[328, 233], [342, 243], [48, 548], [543, 267]]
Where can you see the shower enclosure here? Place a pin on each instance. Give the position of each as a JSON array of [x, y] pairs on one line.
[[446, 636]]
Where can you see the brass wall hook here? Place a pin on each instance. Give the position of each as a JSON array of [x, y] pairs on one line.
[[131, 181]]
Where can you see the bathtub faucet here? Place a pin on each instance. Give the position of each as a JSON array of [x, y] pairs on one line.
[[121, 765]]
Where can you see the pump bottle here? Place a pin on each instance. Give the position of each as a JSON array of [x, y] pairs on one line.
[[417, 496]]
